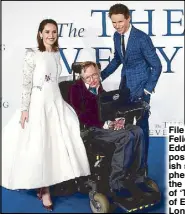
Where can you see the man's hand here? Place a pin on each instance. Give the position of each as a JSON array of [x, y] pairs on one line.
[[111, 125], [146, 92], [119, 124], [24, 117]]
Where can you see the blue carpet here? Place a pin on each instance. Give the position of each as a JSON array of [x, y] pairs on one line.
[[26, 201]]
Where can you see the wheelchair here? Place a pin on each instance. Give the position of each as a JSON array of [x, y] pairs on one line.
[[96, 185]]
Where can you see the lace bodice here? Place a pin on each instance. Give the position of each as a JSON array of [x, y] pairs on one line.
[[38, 67]]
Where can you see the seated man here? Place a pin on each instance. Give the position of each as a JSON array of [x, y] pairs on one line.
[[128, 140]]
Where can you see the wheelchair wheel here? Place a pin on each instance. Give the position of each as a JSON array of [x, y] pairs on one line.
[[100, 205], [150, 183]]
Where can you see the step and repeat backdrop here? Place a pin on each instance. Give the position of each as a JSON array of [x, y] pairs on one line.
[[85, 33]]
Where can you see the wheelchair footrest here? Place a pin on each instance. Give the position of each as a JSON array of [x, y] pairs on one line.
[[132, 205], [139, 199]]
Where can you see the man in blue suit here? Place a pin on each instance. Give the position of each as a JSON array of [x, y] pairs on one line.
[[141, 65]]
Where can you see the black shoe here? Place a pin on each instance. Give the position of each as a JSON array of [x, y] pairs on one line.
[[145, 189], [150, 195]]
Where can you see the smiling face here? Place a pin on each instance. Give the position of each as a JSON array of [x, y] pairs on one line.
[[91, 76], [49, 35], [120, 23]]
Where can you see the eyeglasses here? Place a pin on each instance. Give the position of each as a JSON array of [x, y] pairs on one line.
[[94, 76]]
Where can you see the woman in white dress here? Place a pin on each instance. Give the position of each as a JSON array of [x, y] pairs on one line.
[[41, 144]]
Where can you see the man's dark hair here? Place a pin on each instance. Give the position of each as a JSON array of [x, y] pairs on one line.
[[119, 9]]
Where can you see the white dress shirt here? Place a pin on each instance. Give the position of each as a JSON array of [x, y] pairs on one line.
[[87, 86], [126, 37]]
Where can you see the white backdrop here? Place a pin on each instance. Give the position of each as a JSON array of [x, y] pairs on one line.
[[20, 21]]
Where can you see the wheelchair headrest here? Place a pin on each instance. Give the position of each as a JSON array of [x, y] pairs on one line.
[[77, 67]]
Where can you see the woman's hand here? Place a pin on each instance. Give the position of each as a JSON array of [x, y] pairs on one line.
[[24, 117]]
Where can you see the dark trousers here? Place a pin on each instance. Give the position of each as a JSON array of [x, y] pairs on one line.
[[143, 123], [129, 149]]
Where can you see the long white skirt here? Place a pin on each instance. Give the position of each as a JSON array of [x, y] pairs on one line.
[[49, 149]]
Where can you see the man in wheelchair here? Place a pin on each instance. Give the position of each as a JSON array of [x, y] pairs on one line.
[[127, 164], [115, 148]]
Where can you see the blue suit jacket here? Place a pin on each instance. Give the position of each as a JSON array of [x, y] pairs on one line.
[[141, 64]]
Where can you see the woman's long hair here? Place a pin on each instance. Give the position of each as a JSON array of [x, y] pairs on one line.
[[41, 45]]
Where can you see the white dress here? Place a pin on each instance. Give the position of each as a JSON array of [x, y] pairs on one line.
[[49, 149]]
